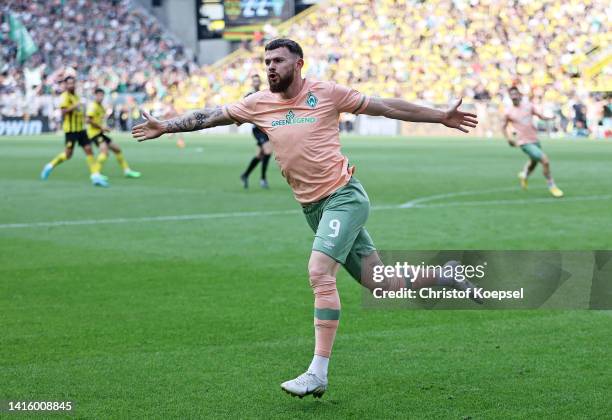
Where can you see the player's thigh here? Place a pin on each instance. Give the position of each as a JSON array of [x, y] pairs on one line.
[[322, 264], [83, 140], [343, 217], [99, 141], [266, 148], [70, 139], [533, 150], [362, 257]]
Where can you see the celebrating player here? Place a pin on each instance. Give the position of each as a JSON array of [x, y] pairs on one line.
[[520, 115], [265, 150], [72, 114], [96, 132], [300, 116]]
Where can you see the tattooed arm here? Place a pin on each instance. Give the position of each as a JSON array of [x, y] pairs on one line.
[[191, 121]]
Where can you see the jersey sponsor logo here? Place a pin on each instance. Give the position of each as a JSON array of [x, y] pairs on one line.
[[311, 100], [292, 119]]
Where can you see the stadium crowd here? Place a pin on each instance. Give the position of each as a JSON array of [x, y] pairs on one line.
[[469, 48], [111, 44]]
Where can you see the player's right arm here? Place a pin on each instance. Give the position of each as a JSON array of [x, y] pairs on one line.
[[506, 133], [191, 121]]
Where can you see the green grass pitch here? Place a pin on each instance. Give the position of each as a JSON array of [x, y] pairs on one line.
[[139, 313]]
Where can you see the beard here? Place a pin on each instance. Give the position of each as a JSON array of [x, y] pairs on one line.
[[281, 84]]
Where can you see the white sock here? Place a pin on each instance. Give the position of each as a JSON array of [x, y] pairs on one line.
[[318, 366]]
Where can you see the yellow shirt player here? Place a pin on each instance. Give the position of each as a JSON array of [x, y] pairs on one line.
[[96, 131], [74, 132]]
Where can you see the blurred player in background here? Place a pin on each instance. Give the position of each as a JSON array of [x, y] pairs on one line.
[[520, 115], [301, 118], [74, 132], [265, 149], [96, 132]]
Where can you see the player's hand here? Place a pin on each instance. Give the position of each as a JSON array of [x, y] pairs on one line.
[[107, 130], [150, 129], [459, 119]]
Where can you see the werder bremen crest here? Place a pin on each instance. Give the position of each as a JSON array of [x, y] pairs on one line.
[[311, 100], [290, 117]]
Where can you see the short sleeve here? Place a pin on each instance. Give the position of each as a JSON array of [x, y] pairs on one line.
[[64, 101], [348, 100], [243, 110]]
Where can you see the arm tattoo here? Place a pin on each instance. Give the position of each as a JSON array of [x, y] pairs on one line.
[[195, 120]]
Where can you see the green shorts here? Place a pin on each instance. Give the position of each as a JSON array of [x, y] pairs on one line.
[[338, 222], [533, 150]]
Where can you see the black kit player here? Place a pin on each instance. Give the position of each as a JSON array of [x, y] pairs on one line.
[[265, 149]]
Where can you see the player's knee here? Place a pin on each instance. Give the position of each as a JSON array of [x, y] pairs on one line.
[[544, 160], [316, 270], [321, 280], [68, 153], [325, 291]]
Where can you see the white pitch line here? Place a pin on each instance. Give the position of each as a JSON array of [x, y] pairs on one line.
[[515, 201], [147, 219], [419, 203]]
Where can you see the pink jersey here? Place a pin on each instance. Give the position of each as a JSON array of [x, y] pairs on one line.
[[521, 118], [304, 134]]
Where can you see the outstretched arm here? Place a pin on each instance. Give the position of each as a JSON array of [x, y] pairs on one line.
[[191, 121], [399, 109]]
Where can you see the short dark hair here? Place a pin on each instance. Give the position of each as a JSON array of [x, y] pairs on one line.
[[514, 88], [68, 78], [99, 90], [291, 45]]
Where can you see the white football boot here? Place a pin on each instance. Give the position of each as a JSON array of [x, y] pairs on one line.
[[305, 384]]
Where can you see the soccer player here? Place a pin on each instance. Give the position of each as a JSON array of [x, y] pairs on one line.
[[96, 132], [301, 118], [520, 115], [265, 150], [73, 119]]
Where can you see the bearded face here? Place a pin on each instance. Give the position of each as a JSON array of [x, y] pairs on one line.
[[280, 69]]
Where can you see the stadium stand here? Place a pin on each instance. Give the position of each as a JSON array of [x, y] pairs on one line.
[[426, 51], [112, 44], [434, 50]]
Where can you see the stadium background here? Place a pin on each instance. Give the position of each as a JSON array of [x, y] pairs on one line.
[[170, 56], [152, 298]]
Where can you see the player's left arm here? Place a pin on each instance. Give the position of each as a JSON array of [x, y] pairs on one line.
[[399, 109]]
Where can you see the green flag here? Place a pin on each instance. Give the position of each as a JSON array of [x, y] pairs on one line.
[[20, 35]]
